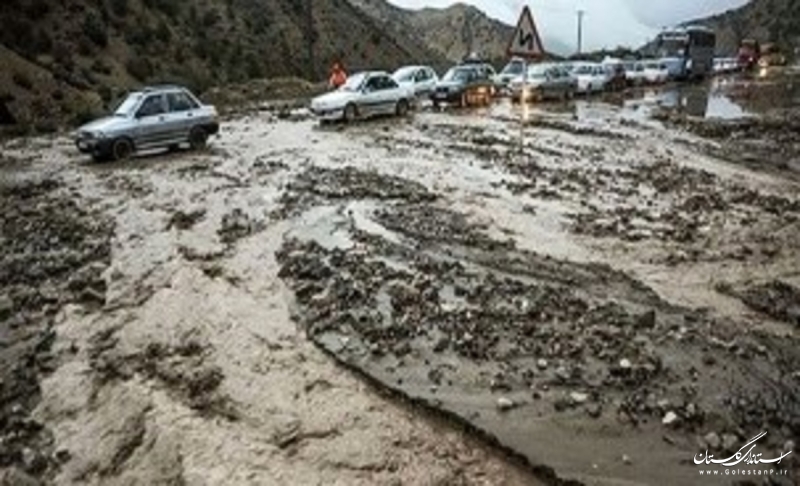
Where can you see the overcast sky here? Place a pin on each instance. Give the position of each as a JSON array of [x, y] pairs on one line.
[[607, 23]]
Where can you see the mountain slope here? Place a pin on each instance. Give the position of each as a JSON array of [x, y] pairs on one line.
[[453, 32], [104, 46], [765, 20]]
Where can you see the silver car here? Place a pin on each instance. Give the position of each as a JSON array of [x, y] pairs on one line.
[[422, 79], [544, 81], [364, 95], [153, 118]]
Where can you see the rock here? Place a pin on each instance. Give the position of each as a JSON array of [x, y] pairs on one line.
[[626, 459], [729, 442], [594, 410], [647, 320], [542, 364], [579, 398], [671, 418], [6, 307], [712, 440], [625, 364], [16, 477], [789, 446], [505, 404], [33, 462]]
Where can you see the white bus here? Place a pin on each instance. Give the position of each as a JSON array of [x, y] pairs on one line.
[[688, 52]]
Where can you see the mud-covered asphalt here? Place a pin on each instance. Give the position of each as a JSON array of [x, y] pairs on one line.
[[588, 295]]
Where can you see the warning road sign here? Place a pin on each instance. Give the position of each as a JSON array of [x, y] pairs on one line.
[[526, 41]]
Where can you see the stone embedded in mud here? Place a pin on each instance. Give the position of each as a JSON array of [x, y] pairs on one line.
[[6, 307], [542, 364], [670, 419], [625, 364], [579, 398], [712, 441], [505, 404]]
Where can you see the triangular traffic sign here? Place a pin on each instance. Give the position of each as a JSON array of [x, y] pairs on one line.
[[526, 41]]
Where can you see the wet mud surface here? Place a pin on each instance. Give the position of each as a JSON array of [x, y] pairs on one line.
[[563, 294], [54, 253]]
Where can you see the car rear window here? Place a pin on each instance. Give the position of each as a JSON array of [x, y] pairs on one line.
[[178, 101]]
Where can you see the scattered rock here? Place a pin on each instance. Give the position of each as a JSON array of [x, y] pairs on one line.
[[626, 459], [712, 441], [6, 307], [542, 364], [625, 364], [730, 442], [505, 404], [579, 398], [670, 419]]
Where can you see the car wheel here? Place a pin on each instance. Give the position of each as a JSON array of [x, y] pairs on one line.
[[122, 149], [402, 108], [198, 138], [350, 113]]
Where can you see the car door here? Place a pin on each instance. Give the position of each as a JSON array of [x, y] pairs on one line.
[[390, 94], [370, 101], [151, 129], [182, 111]]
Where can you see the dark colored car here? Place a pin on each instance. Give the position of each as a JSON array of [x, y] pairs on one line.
[[464, 85]]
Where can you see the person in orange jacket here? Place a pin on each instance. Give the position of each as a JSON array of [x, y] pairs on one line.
[[338, 76]]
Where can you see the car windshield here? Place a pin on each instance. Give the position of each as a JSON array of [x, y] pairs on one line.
[[458, 74], [585, 69], [538, 71], [128, 105], [514, 68], [404, 74], [354, 82]]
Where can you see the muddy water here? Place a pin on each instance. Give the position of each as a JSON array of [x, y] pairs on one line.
[[587, 275]]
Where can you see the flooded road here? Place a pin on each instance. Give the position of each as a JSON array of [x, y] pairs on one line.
[[596, 292]]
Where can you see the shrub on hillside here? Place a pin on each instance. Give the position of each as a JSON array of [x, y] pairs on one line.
[[22, 80], [139, 67], [95, 29], [119, 7]]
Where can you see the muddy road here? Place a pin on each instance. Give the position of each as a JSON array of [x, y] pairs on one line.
[[457, 298]]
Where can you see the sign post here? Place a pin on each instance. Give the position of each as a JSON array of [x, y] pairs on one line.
[[526, 44]]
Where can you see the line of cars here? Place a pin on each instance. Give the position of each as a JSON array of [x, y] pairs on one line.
[[475, 83]]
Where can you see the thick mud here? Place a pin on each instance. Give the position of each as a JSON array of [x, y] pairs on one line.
[[54, 253], [505, 296]]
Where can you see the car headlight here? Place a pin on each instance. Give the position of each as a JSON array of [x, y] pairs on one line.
[[98, 135]]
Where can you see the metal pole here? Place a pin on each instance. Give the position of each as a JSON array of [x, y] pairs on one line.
[[580, 31]]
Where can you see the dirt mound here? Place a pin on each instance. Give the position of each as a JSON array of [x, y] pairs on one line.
[[53, 251]]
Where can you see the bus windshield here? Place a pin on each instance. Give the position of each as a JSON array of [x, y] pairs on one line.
[[673, 46]]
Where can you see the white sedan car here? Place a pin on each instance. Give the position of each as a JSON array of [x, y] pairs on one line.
[[364, 95], [421, 79], [592, 78], [655, 73]]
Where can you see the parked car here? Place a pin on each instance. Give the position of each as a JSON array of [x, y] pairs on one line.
[[544, 81], [364, 95], [153, 118], [486, 69], [634, 74], [421, 79], [592, 78], [513, 69], [655, 72], [464, 85]]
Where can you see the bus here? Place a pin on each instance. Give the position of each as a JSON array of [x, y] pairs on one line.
[[688, 52]]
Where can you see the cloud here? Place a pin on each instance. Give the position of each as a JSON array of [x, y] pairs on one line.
[[607, 23]]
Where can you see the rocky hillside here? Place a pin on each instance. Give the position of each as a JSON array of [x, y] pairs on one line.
[[67, 59], [452, 32], [765, 20]]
